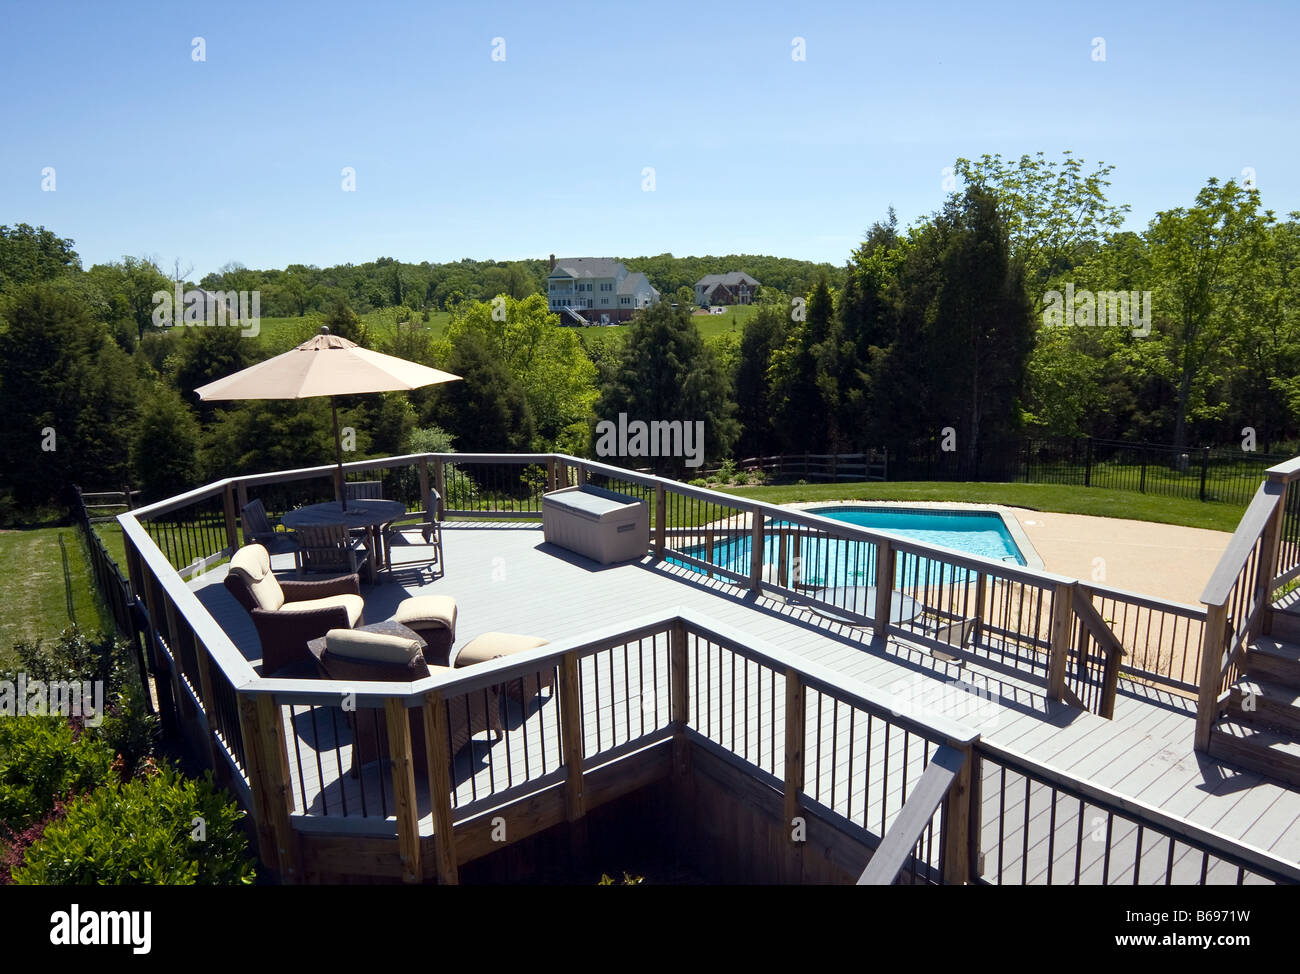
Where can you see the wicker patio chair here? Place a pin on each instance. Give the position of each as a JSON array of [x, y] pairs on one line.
[[288, 614]]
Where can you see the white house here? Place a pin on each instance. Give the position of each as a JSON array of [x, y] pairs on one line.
[[596, 290]]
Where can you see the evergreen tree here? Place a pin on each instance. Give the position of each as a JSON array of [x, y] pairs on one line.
[[666, 372]]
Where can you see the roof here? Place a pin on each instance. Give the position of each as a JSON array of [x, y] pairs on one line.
[[633, 282], [588, 267], [730, 279]]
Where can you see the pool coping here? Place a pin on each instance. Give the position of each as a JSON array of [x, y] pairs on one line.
[[1009, 521]]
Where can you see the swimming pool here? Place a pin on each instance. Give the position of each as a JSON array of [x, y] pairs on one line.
[[972, 532], [836, 563]]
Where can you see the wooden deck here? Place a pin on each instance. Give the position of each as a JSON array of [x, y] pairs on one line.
[[505, 578]]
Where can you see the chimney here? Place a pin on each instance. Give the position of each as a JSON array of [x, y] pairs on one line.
[[552, 262]]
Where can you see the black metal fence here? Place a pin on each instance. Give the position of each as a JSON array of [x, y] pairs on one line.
[[115, 589], [1198, 473]]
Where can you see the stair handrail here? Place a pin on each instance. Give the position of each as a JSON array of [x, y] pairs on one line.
[[1240, 590]]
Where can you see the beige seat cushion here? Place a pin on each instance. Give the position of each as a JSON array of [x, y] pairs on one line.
[[490, 645], [426, 611], [371, 646], [253, 563], [355, 605]]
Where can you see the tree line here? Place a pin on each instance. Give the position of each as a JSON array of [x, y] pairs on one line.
[[951, 331]]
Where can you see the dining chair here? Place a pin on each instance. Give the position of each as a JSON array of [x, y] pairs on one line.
[[258, 529], [332, 548], [418, 528], [364, 490]]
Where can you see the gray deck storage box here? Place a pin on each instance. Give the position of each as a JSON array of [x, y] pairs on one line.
[[602, 525]]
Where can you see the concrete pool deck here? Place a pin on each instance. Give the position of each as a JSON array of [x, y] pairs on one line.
[[1168, 561]]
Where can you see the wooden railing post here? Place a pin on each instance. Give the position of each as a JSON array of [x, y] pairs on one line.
[[1059, 653], [551, 482], [981, 600], [661, 519], [795, 698], [405, 808], [435, 749], [571, 750], [440, 484], [1110, 685], [783, 558], [1213, 646], [1266, 568], [884, 586], [267, 764], [241, 501], [756, 550], [422, 471], [679, 700], [232, 529], [957, 859]]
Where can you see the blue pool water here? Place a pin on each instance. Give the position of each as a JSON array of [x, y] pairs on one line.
[[832, 563], [976, 533]]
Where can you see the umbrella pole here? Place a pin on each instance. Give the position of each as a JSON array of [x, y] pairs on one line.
[[338, 447]]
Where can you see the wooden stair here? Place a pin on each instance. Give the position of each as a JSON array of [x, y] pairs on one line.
[[1259, 726]]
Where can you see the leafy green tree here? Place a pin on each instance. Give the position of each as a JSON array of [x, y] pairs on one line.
[[1205, 258], [763, 335], [488, 411], [270, 434], [67, 391], [165, 447], [341, 320], [203, 355], [545, 359], [805, 378], [1055, 211], [962, 335], [667, 373], [32, 254]]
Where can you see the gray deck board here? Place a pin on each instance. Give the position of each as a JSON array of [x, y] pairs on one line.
[[506, 579]]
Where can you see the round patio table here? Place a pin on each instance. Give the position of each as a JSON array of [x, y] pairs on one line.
[[367, 515], [855, 602]]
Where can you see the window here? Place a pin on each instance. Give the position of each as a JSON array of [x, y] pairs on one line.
[[625, 300]]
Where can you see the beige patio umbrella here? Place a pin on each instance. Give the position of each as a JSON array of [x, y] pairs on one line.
[[326, 365]]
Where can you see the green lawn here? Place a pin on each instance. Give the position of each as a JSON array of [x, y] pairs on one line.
[[36, 603], [1038, 497], [712, 327]]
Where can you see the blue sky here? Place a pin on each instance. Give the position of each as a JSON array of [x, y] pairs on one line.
[[239, 157]]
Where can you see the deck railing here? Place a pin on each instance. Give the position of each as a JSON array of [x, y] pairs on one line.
[[825, 746], [1263, 556], [1075, 639]]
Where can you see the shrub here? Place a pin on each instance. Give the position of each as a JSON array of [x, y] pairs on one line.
[[44, 759], [14, 845], [129, 729], [741, 478], [164, 829], [74, 655], [699, 482], [727, 471]]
